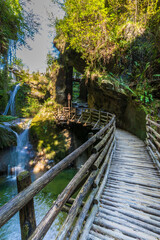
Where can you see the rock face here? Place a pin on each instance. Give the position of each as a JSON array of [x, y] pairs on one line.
[[129, 114], [61, 80], [63, 73]]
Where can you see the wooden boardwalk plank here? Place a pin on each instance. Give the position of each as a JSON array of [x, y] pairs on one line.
[[129, 206]]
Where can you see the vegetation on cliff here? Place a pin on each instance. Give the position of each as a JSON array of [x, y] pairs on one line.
[[117, 39], [51, 142], [32, 94]]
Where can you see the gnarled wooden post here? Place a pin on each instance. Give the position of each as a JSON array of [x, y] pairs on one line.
[[26, 214]]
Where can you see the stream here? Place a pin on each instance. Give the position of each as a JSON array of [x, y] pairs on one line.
[[42, 202], [17, 159]]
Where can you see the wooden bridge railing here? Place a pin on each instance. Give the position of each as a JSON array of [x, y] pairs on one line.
[[153, 139], [86, 116], [94, 117], [88, 177]]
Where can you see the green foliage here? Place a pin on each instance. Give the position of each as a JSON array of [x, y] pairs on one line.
[[34, 91], [118, 83], [6, 118], [146, 98], [93, 28], [7, 138], [17, 62], [50, 59], [144, 92], [30, 108], [16, 23], [115, 35], [45, 135], [82, 27], [76, 91], [11, 19]]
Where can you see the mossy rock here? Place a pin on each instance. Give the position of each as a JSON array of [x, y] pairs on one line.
[[7, 138]]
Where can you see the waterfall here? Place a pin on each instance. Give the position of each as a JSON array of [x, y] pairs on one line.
[[22, 150], [19, 155], [11, 102], [12, 155]]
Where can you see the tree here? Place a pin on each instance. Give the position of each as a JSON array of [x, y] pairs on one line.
[[93, 27], [84, 26], [16, 24]]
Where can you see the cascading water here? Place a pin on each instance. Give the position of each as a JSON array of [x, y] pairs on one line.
[[20, 155], [11, 103], [22, 150], [10, 154]]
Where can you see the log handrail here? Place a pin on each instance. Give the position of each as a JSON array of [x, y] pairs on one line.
[[88, 116], [21, 199], [152, 122], [97, 157], [153, 139]]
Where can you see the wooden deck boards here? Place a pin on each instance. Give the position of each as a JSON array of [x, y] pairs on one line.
[[129, 206]]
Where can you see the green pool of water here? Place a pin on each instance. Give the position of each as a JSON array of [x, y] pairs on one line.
[[43, 201]]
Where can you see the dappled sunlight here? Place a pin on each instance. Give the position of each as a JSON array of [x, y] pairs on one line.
[[39, 167]]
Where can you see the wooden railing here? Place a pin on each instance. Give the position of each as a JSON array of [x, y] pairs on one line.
[[87, 180], [153, 139], [94, 117], [88, 117]]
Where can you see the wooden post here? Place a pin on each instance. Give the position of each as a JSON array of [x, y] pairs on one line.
[[90, 134], [147, 131], [26, 214], [69, 100], [69, 104]]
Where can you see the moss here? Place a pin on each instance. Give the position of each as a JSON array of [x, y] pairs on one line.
[[26, 104], [22, 175], [4, 118], [49, 140], [25, 231]]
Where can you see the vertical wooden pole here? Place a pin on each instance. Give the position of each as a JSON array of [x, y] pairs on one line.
[[26, 214], [90, 134], [147, 131], [69, 104]]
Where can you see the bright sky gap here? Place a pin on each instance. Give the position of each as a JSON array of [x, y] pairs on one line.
[[35, 58]]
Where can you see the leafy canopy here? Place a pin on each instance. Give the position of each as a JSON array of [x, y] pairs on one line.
[[15, 23], [94, 27]]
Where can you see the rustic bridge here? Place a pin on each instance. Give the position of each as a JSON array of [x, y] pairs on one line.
[[118, 186]]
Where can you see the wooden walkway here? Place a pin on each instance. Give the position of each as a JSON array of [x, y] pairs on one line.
[[119, 180], [129, 206]]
